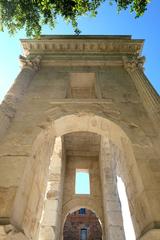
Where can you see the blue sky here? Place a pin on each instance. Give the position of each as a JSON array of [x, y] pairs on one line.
[[82, 182], [107, 22]]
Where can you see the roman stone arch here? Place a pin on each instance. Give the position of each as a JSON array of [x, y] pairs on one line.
[[114, 144], [85, 84], [75, 204]]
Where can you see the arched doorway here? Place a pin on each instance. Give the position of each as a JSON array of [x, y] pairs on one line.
[[82, 224], [115, 145]]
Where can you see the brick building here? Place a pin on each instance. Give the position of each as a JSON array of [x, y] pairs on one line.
[[82, 225]]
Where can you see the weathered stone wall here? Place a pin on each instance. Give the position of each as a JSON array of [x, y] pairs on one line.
[[50, 223], [112, 207], [45, 99], [70, 199]]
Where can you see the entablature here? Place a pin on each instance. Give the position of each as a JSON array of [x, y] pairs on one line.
[[78, 45]]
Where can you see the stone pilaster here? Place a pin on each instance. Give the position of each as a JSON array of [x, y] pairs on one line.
[[148, 95], [112, 208], [9, 105], [51, 218]]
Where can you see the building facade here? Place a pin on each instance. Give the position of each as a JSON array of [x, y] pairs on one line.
[[79, 104], [82, 224]]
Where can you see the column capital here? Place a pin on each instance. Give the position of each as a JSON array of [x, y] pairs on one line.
[[33, 63], [132, 63]]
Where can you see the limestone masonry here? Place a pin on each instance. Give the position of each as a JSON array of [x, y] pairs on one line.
[[80, 103]]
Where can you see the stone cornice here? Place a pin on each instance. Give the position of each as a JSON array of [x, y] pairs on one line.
[[104, 45]]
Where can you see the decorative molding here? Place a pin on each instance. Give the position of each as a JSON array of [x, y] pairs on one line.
[[67, 62], [82, 51], [132, 63], [103, 45], [30, 63], [81, 101]]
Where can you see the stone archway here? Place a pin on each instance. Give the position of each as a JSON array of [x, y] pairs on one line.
[[114, 144], [81, 219]]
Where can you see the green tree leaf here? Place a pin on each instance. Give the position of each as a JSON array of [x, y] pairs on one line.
[[32, 14]]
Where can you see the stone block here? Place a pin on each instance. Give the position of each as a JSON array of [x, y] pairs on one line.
[[116, 233], [115, 218], [47, 233]]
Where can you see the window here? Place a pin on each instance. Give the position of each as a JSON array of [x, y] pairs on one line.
[[82, 211], [82, 183], [83, 234]]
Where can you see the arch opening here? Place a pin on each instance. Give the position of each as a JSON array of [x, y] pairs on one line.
[[116, 158], [82, 224]]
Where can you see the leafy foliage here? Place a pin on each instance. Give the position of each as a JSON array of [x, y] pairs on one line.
[[32, 14]]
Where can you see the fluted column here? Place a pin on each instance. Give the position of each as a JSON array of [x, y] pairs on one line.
[[148, 95], [15, 94]]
